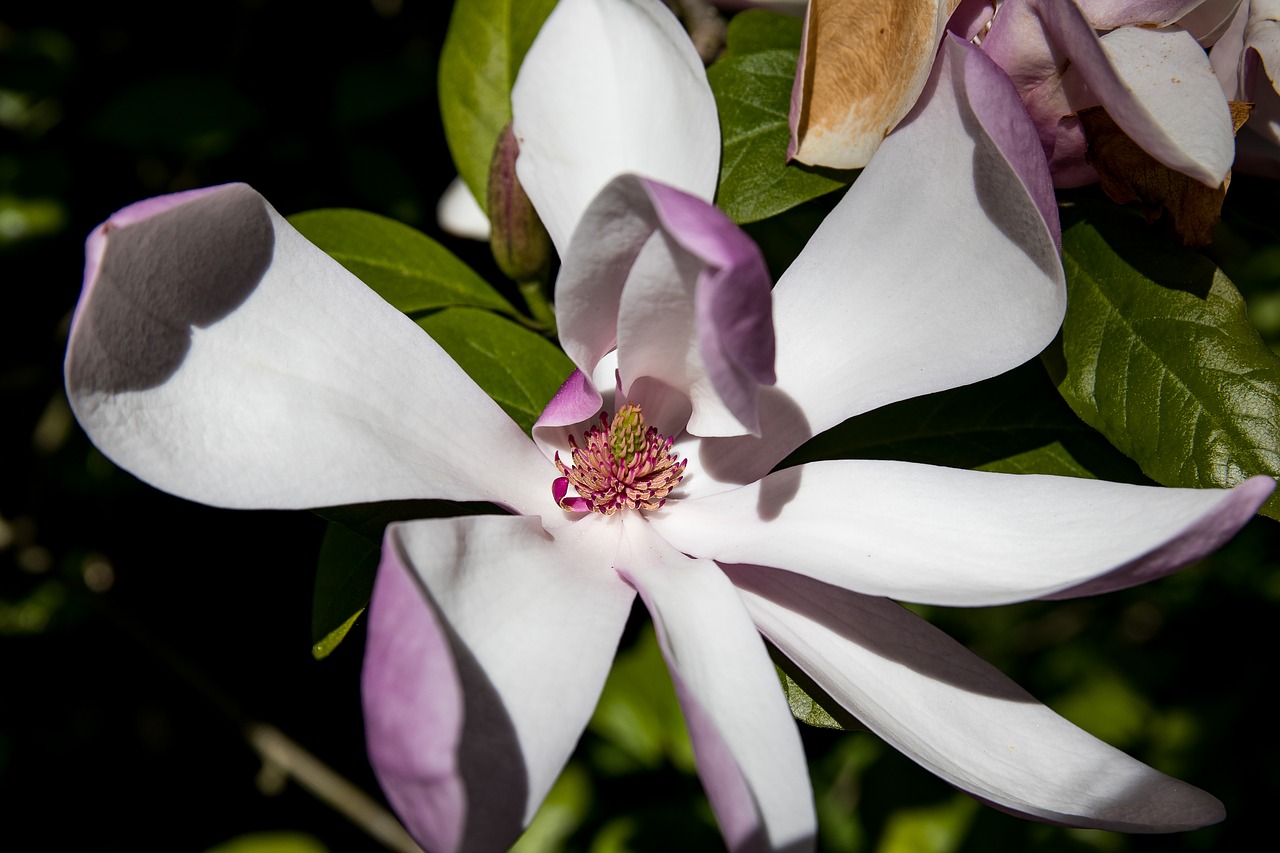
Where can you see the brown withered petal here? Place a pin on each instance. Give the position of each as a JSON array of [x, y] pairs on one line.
[[862, 66], [1130, 175]]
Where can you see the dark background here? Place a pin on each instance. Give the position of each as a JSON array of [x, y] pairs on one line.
[[139, 632]]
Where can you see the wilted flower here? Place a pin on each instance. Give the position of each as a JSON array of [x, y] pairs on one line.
[[1151, 76]]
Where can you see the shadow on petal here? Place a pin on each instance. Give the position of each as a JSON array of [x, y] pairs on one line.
[[185, 267], [440, 740], [875, 630]]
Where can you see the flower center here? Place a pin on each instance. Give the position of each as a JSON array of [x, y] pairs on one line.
[[621, 465]]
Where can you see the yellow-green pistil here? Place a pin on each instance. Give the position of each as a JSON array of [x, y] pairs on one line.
[[622, 465]]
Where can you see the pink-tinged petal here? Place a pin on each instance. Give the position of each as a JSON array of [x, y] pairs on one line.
[[862, 65], [571, 410], [611, 87], [971, 19], [1196, 541], [957, 537], [681, 292], [218, 355], [936, 269], [1156, 84], [994, 101], [746, 744], [959, 717], [1110, 14], [1209, 20], [1260, 71], [459, 214], [489, 641], [1226, 55]]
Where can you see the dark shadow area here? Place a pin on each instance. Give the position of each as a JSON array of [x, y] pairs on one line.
[[1145, 247], [188, 266], [876, 624]]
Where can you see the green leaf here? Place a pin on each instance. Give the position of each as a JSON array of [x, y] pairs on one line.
[[638, 714], [1158, 354], [561, 813], [404, 266], [935, 828], [753, 97], [482, 52], [519, 369], [1015, 422], [271, 842], [809, 703], [344, 580], [754, 30]]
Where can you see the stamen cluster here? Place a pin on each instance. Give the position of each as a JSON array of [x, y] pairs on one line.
[[622, 465]]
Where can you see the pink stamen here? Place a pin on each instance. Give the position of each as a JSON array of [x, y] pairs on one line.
[[620, 465]]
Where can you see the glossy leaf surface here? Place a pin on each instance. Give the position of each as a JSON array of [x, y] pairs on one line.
[[1158, 354]]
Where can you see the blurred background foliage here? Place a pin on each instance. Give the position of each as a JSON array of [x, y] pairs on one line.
[[147, 643]]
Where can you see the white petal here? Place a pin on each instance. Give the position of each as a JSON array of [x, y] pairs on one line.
[[950, 536], [748, 750], [1225, 57], [1208, 21], [611, 87], [1162, 92], [218, 355], [935, 270], [459, 213], [489, 641], [957, 716]]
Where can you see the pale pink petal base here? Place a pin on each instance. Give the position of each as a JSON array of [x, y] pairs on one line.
[[959, 717]]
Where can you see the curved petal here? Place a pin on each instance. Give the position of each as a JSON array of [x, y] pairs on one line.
[[748, 750], [1226, 55], [218, 355], [951, 536], [1209, 20], [1161, 90], [936, 269], [611, 86], [1157, 85], [573, 405], [459, 213], [1261, 69], [681, 292], [1110, 14], [489, 641], [862, 65], [959, 717]]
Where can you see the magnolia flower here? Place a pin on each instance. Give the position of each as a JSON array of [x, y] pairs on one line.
[[1247, 61], [218, 355], [1154, 80]]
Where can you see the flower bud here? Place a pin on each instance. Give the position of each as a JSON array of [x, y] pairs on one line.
[[519, 241]]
